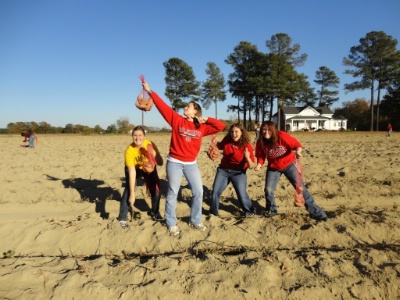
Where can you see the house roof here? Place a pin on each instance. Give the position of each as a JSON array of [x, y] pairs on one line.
[[308, 118], [293, 110], [294, 113]]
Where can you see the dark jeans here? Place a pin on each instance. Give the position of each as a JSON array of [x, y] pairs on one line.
[[271, 181], [152, 185], [239, 182]]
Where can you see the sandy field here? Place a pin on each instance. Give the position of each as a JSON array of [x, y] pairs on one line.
[[60, 238]]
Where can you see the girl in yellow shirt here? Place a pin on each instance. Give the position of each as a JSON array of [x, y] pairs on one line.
[[141, 158]]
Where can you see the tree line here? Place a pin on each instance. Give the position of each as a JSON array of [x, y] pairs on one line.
[[262, 81], [121, 126]]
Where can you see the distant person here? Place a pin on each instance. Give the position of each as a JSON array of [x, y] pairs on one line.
[[29, 137], [32, 140], [141, 158], [185, 144], [26, 136], [281, 150], [257, 129], [238, 156], [389, 130]]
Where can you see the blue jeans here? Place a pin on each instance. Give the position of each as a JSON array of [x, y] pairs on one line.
[[193, 177], [271, 181], [152, 185], [32, 141], [239, 182]]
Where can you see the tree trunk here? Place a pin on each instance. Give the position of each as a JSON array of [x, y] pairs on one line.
[[372, 107], [272, 106], [378, 100], [248, 127], [238, 110], [216, 110], [258, 109], [278, 108], [245, 112]]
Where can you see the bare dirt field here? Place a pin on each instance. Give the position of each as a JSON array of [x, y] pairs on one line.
[[60, 238]]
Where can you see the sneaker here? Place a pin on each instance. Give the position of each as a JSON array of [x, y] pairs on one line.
[[155, 216], [123, 224], [174, 230], [249, 214], [200, 226], [270, 213], [324, 219]]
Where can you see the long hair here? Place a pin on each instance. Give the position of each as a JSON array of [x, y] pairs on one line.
[[197, 107], [244, 139], [273, 140]]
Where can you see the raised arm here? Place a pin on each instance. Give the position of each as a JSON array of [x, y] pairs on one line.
[[165, 110]]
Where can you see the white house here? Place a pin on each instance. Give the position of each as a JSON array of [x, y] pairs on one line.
[[303, 118]]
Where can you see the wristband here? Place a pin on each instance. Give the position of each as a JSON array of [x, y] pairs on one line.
[[149, 92]]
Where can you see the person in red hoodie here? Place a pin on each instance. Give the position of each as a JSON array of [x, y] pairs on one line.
[[238, 156], [281, 150], [186, 138], [389, 130]]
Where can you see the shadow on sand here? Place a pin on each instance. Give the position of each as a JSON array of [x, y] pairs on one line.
[[91, 190]]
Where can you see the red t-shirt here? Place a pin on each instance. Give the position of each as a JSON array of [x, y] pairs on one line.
[[185, 138], [233, 154]]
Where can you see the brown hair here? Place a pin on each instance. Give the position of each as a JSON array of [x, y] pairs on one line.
[[197, 107], [244, 139], [274, 135], [137, 128]]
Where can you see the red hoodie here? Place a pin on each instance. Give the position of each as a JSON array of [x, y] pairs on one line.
[[280, 157], [185, 139]]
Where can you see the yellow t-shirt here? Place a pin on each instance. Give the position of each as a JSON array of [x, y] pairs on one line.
[[135, 157]]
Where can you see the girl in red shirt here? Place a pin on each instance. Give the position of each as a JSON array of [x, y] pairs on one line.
[[186, 138], [237, 157], [281, 150]]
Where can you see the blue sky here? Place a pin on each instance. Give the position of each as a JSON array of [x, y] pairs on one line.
[[78, 61]]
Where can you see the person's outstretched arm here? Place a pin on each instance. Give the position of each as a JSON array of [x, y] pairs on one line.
[[165, 110]]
